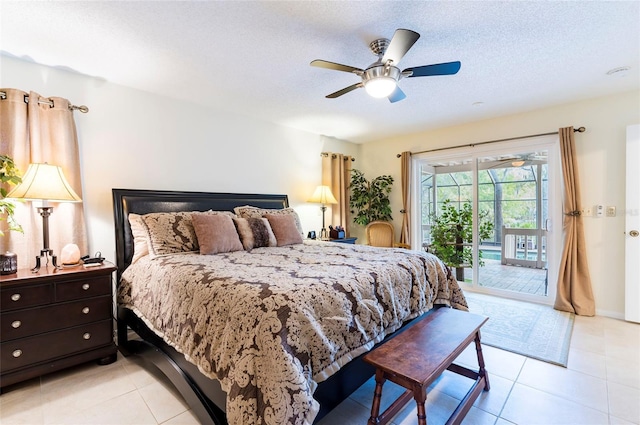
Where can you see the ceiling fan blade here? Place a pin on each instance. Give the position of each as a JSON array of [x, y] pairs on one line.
[[344, 91], [400, 44], [397, 95], [335, 66], [448, 68]]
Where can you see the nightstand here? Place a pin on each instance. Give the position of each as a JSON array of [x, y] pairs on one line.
[[54, 319], [344, 240]]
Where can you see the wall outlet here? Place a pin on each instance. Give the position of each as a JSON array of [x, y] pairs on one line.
[[587, 212], [599, 210], [611, 211]]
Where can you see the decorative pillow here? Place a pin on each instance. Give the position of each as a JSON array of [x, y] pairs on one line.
[[228, 213], [140, 237], [249, 211], [285, 229], [216, 233], [170, 233], [255, 232]]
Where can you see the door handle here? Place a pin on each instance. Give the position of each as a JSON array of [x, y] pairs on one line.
[[634, 233]]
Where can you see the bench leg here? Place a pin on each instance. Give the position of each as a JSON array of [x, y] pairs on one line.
[[420, 396], [482, 372], [377, 395]]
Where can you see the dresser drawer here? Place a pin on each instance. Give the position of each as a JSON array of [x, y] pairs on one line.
[[25, 296], [29, 351], [33, 321], [83, 288]]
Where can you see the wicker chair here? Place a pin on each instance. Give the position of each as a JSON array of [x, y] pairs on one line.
[[382, 234]]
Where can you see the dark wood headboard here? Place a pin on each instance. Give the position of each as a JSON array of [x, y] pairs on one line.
[[127, 201]]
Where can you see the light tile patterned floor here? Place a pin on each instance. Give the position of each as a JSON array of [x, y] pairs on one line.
[[600, 386]]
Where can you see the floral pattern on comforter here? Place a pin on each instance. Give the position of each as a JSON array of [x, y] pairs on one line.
[[271, 323]]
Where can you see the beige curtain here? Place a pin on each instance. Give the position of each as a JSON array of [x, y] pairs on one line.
[[40, 132], [574, 282], [336, 173], [405, 171]]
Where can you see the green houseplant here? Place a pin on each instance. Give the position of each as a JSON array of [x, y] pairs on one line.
[[369, 200], [452, 234], [9, 175]]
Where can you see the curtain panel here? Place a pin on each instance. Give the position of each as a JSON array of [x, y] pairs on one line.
[[405, 172], [336, 173], [575, 293], [36, 132]]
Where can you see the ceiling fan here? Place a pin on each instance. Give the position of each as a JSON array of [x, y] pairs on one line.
[[516, 161], [380, 79]]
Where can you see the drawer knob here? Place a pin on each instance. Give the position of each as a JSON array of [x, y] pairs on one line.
[[16, 324], [85, 310], [85, 286], [16, 297], [17, 353], [87, 335]]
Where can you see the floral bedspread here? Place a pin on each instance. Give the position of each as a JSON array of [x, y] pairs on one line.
[[271, 323]]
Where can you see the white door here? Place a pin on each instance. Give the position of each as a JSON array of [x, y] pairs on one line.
[[632, 225]]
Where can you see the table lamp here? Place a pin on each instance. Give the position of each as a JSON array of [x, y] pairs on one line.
[[44, 182], [323, 195]]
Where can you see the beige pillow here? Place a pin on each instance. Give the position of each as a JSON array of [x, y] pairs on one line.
[[249, 211], [140, 237], [285, 229], [255, 232], [216, 233]]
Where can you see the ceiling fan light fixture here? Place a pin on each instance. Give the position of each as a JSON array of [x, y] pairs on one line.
[[380, 80], [380, 87]]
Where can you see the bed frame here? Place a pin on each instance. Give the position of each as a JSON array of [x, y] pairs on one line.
[[204, 395]]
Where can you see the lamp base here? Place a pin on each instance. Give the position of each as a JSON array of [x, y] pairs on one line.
[[46, 253]]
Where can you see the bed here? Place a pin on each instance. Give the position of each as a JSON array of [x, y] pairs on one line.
[[272, 334]]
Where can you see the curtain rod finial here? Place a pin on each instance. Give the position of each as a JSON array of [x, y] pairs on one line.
[[81, 108], [581, 129]]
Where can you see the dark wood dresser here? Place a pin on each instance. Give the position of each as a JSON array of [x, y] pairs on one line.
[[54, 319]]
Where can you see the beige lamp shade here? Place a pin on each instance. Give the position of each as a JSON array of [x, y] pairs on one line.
[[44, 181], [323, 195]]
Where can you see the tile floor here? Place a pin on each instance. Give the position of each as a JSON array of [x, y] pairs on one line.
[[600, 386]]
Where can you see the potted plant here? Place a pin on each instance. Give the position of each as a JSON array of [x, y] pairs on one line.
[[9, 175], [369, 200], [452, 234]]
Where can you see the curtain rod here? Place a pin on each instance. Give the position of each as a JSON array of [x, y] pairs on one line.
[[470, 145], [81, 108], [333, 155]]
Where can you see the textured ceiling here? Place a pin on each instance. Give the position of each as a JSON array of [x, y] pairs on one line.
[[253, 57]]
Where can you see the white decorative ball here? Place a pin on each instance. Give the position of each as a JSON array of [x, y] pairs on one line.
[[70, 254]]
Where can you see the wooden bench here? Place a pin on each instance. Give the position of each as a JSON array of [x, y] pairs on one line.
[[419, 355]]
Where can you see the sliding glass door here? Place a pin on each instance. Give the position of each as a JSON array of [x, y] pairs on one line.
[[487, 216], [447, 224]]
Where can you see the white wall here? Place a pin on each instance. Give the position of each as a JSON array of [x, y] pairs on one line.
[[136, 140], [601, 162]]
